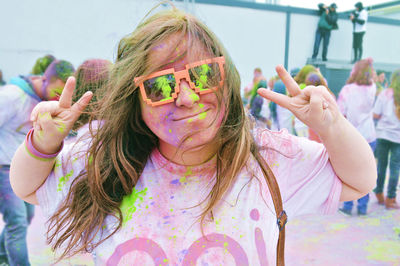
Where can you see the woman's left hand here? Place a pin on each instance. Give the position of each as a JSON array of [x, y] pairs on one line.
[[314, 106]]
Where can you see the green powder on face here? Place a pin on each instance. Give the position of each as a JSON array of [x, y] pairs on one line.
[[130, 203], [55, 92], [201, 105], [194, 97], [202, 115]]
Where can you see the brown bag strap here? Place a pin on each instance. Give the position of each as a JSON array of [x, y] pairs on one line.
[[280, 213]]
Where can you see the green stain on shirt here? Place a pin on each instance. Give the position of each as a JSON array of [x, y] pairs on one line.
[[130, 203], [63, 180], [188, 173]]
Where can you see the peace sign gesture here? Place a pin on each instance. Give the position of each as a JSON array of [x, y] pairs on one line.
[[314, 106], [52, 120]]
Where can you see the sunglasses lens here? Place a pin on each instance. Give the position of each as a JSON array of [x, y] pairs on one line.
[[205, 76], [160, 88]]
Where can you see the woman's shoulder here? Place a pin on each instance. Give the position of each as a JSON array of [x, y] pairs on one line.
[[75, 150], [277, 141]]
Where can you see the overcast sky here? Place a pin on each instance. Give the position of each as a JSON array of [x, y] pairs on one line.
[[343, 5]]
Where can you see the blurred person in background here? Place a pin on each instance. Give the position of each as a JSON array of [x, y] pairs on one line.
[[356, 102], [301, 76], [256, 102], [2, 82], [281, 117], [327, 22], [294, 71], [41, 64], [91, 75], [381, 82], [387, 112], [249, 90], [359, 19], [17, 100]]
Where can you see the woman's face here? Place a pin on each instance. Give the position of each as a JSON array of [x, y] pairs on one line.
[[190, 112]]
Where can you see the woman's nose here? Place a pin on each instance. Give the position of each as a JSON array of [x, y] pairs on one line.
[[186, 96]]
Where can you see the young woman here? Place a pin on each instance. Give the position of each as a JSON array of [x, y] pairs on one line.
[[387, 112], [175, 174], [356, 101]]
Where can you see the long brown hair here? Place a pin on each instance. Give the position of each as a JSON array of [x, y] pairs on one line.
[[362, 72], [121, 147], [395, 85]]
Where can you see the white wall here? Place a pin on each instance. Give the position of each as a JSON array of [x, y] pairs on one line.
[[76, 30], [254, 38]]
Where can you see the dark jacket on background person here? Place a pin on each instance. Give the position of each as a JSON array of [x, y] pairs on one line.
[[327, 21]]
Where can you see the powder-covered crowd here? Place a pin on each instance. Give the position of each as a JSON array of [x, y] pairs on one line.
[[368, 100]]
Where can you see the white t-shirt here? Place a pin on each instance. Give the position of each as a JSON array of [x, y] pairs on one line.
[[356, 103], [364, 16], [160, 224], [285, 118], [388, 126], [15, 110]]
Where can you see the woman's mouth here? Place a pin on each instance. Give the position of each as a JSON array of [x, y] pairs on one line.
[[199, 115]]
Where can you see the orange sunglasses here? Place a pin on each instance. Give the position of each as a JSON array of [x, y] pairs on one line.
[[162, 87]]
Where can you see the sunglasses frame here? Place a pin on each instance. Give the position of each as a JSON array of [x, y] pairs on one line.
[[179, 75]]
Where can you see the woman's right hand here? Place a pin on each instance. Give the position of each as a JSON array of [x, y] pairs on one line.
[[52, 120]]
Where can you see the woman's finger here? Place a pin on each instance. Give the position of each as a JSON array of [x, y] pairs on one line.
[[277, 98], [66, 95], [81, 104], [291, 85], [317, 101]]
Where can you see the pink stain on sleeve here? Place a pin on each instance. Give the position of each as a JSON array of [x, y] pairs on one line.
[[140, 244], [215, 240]]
